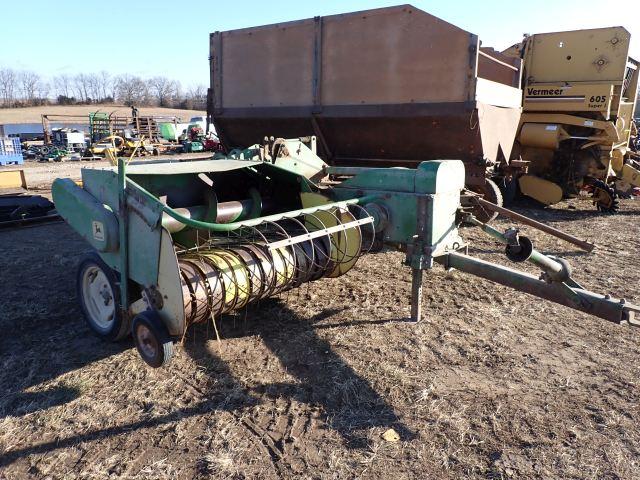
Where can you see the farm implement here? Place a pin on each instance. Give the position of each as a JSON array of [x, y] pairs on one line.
[[181, 243]]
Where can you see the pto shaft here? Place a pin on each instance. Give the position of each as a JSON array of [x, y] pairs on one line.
[[605, 307]]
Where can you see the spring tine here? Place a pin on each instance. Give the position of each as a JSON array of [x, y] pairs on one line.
[[223, 275], [365, 214], [318, 243]]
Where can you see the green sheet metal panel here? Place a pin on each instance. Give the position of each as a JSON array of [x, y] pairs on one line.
[[444, 179], [102, 184], [95, 222], [144, 225], [440, 176], [399, 188]]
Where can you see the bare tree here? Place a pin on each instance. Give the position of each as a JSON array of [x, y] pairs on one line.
[[29, 83], [106, 83], [42, 90], [132, 90], [80, 84], [62, 85], [8, 85], [93, 86], [179, 95], [97, 87], [197, 95], [164, 90], [115, 86]]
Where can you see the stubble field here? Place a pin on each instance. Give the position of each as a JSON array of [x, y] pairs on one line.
[[492, 384]]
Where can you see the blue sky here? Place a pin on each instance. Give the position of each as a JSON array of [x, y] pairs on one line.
[[69, 36]]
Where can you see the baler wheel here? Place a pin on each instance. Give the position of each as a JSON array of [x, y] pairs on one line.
[[491, 193], [99, 297], [152, 339]]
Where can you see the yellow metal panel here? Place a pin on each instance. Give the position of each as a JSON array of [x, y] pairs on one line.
[[540, 189], [12, 179], [625, 120], [541, 135], [568, 98], [630, 175], [560, 118], [598, 54]]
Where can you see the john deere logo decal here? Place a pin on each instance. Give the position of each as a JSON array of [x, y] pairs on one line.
[[98, 231]]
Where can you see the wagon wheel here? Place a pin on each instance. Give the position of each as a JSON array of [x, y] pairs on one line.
[[490, 191], [99, 296], [152, 339]]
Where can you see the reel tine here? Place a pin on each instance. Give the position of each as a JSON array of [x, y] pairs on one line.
[[304, 259], [221, 275], [267, 260], [322, 246], [287, 257], [365, 214]]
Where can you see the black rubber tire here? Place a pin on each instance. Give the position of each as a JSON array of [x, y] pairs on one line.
[[120, 328], [157, 348], [491, 193]]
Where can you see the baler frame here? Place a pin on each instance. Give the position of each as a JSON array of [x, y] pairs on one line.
[[416, 211]]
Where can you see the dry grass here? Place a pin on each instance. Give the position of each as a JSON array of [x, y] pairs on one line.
[[33, 114], [493, 384]]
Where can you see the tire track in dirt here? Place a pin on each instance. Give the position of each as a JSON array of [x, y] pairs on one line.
[[282, 438]]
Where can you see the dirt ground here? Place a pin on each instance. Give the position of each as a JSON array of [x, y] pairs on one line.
[[34, 114], [492, 384]]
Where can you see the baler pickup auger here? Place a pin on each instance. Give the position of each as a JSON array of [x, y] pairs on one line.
[[179, 243]]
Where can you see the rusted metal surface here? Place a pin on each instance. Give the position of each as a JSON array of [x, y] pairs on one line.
[[491, 65], [389, 86], [583, 244], [605, 307]]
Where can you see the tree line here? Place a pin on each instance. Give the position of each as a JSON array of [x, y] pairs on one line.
[[24, 88]]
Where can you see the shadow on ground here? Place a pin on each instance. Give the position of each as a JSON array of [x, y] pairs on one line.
[[348, 403]]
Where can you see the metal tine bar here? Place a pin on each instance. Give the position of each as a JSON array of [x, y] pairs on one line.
[[281, 262], [246, 291], [320, 233], [273, 277], [256, 273], [234, 281], [219, 307], [344, 251], [286, 282], [372, 226], [321, 226], [271, 280], [304, 275]]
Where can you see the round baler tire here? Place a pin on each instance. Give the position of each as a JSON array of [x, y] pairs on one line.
[[152, 339], [116, 328]]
